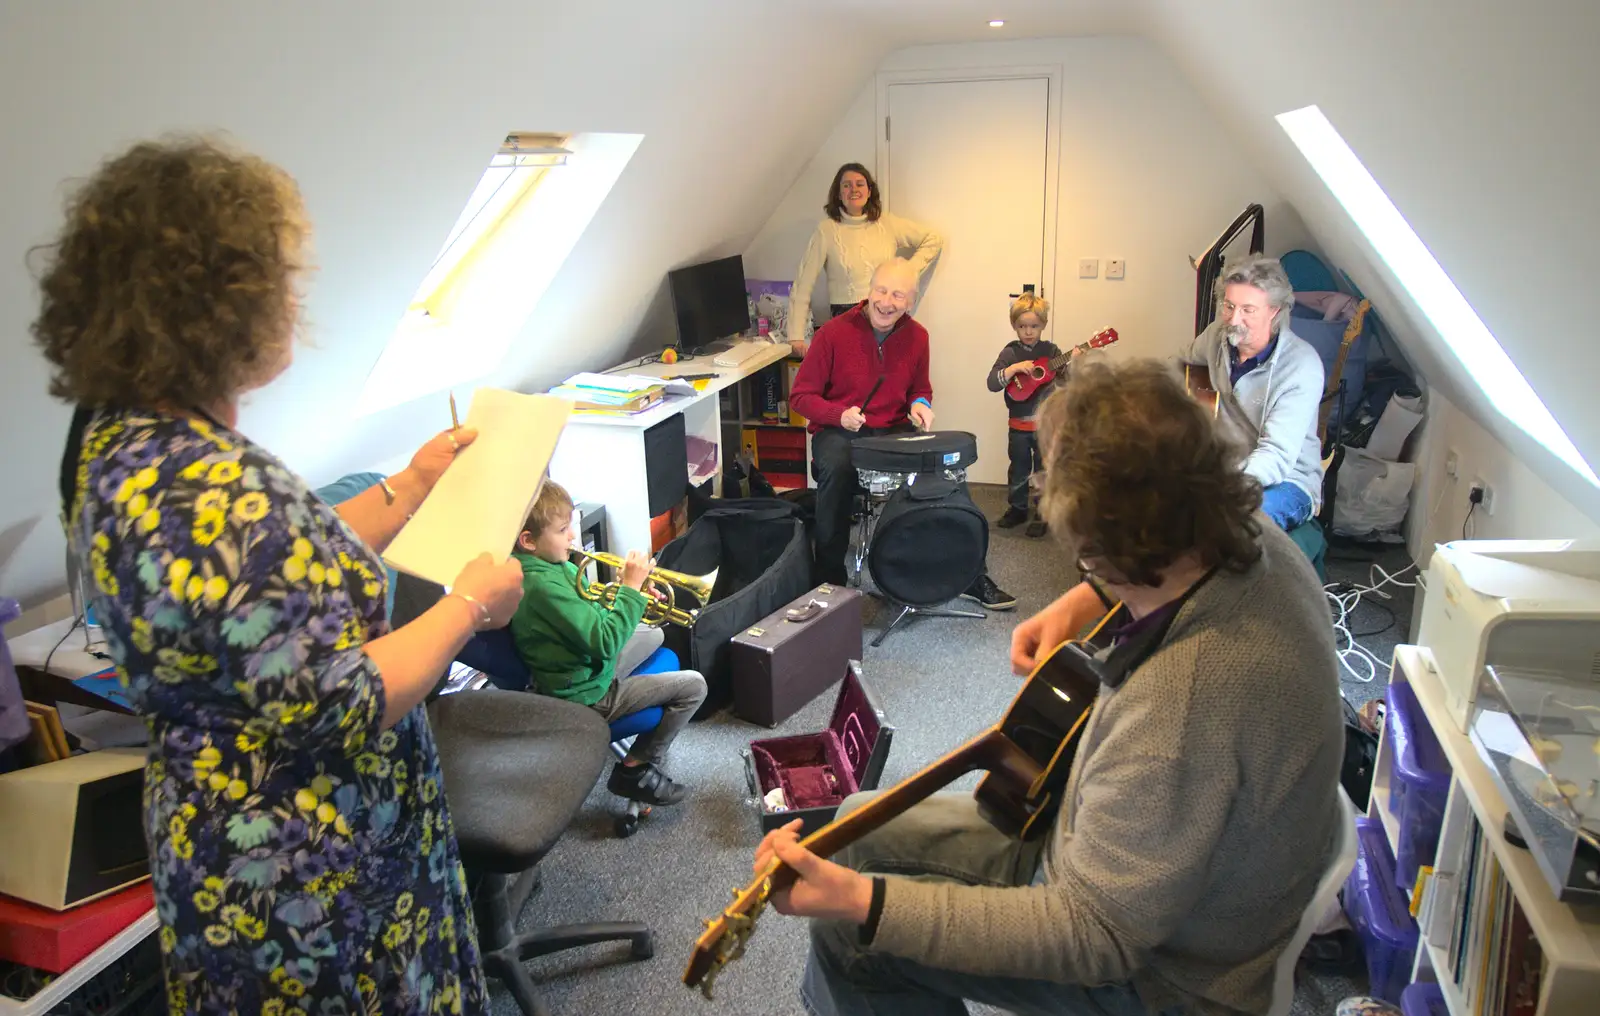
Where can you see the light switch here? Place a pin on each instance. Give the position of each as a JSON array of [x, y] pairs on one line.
[[1114, 268], [1089, 268]]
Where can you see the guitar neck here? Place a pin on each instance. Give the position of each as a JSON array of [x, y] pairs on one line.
[[989, 750], [1060, 360]]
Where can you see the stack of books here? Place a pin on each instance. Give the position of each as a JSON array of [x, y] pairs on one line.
[[610, 393]]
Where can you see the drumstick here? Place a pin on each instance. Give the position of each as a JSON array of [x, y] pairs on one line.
[[868, 400]]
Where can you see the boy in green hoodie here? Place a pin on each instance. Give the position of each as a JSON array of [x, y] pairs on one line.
[[583, 651]]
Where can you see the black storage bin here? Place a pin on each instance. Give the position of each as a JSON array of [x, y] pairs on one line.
[[763, 560], [666, 463]]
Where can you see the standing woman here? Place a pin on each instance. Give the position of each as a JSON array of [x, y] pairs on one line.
[[856, 237], [302, 853]]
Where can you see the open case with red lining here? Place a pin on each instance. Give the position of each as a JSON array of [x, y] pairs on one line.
[[816, 772]]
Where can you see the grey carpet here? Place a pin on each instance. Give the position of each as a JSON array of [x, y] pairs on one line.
[[938, 680]]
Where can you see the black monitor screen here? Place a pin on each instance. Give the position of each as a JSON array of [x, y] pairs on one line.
[[709, 301]]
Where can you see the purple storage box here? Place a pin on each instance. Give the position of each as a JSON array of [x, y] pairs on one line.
[[1379, 913], [14, 725], [1419, 785], [1424, 999]]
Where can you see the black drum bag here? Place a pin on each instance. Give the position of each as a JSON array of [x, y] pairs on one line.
[[927, 452], [929, 543], [763, 561]]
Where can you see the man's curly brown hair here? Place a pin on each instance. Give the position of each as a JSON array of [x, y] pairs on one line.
[[1137, 474], [172, 283]]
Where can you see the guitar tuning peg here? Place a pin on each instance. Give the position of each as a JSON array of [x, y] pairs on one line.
[[735, 892]]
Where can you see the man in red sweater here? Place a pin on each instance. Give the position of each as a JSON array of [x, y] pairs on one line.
[[837, 389]]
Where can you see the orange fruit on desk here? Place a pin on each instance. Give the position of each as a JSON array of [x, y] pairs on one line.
[[669, 355]]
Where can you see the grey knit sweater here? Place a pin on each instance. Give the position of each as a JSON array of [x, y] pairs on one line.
[[1201, 811], [1272, 410]]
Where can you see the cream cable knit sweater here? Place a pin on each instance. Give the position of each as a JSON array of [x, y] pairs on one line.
[[851, 251]]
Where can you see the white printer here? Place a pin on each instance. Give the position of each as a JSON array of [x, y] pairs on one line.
[[1512, 603]]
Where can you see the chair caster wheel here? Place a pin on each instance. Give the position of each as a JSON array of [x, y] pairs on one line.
[[627, 825], [644, 947]]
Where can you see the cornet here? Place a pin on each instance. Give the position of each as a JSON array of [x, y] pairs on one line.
[[660, 599]]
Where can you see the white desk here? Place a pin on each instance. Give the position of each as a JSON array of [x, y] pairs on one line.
[[601, 458]]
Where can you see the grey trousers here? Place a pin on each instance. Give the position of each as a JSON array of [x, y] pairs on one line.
[[678, 692], [943, 838]]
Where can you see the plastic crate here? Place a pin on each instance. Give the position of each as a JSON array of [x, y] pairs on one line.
[[121, 978], [1419, 786], [13, 728], [1424, 999], [1378, 912]]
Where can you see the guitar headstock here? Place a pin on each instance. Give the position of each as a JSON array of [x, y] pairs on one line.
[[725, 936], [1104, 337]]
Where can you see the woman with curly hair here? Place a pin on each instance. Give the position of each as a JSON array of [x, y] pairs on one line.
[[849, 244], [302, 854], [1203, 799]]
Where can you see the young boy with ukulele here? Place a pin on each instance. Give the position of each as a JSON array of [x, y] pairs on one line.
[[583, 651], [1029, 314]]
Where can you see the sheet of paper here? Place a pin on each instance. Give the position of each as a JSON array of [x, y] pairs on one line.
[[481, 501], [613, 382]]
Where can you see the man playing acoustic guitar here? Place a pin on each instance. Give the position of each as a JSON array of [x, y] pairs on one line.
[[1202, 806], [1269, 383]]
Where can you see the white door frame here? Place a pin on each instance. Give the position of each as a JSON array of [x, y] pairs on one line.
[[1052, 155]]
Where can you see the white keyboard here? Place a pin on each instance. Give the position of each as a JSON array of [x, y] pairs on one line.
[[739, 353]]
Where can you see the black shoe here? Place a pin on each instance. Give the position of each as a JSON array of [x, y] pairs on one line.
[[1012, 518], [990, 595], [645, 784], [1036, 529]]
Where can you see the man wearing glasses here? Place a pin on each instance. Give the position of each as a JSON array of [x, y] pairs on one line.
[[1269, 384]]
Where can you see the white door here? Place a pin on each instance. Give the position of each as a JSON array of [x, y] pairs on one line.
[[968, 158]]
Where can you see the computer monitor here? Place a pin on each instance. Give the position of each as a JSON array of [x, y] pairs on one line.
[[709, 301]]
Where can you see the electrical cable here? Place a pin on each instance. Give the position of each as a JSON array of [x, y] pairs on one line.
[[1345, 598]]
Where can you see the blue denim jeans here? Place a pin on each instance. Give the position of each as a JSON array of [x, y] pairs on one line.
[[943, 838], [1286, 504]]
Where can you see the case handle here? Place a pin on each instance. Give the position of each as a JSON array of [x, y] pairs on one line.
[[800, 615]]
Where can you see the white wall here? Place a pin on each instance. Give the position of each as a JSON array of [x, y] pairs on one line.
[[1478, 119], [386, 111], [1147, 175], [1525, 507]]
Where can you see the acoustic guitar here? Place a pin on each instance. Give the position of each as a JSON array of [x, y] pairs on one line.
[[1026, 757], [1197, 382], [1044, 370]]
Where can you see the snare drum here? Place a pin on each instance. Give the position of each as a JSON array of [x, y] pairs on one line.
[[878, 483]]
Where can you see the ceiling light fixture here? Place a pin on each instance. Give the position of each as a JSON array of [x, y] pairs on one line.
[[996, 23]]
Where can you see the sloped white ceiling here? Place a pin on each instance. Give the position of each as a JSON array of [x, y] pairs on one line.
[[1479, 120], [386, 113], [1476, 117]]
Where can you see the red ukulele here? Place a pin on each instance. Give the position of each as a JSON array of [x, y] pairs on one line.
[[1044, 370]]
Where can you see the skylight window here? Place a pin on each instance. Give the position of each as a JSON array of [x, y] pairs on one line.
[[530, 206], [1406, 255]]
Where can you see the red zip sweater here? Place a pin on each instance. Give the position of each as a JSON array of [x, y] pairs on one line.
[[844, 362]]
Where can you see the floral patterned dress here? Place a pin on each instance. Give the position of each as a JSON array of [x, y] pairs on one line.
[[303, 858]]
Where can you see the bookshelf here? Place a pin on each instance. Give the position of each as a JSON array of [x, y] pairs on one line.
[[757, 420], [1568, 935]]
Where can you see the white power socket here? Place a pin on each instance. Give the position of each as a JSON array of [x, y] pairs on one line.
[[1487, 504], [1452, 463]]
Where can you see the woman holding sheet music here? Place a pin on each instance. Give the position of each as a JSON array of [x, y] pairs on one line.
[[300, 845]]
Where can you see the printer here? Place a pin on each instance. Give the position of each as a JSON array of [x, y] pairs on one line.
[[1523, 604]]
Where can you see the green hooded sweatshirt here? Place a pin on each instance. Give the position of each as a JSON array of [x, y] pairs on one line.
[[570, 644]]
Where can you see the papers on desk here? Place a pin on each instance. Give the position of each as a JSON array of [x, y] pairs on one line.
[[480, 503], [628, 383]]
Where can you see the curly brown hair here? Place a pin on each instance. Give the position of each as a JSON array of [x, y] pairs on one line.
[[1137, 475], [172, 283]]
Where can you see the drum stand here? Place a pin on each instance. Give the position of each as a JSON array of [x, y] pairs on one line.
[[869, 521]]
